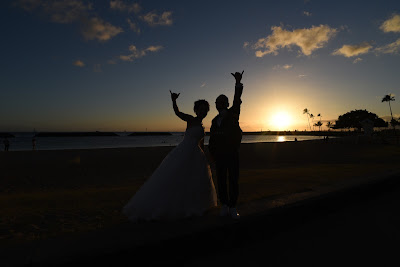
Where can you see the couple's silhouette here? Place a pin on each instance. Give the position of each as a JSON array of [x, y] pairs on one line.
[[182, 185]]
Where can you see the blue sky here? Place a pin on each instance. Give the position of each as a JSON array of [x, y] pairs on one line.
[[109, 65]]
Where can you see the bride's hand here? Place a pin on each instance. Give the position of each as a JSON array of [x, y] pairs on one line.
[[174, 96]]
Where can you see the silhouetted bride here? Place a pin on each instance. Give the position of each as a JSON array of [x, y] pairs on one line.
[[182, 185]]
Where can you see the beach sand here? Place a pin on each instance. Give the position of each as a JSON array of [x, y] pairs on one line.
[[47, 194]]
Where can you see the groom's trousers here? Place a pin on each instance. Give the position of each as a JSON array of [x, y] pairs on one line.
[[227, 167]]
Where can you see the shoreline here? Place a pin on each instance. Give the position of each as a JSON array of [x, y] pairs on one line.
[[156, 146], [353, 139], [25, 143]]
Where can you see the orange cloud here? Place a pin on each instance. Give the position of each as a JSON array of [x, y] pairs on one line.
[[73, 11], [392, 48], [153, 19], [96, 28], [286, 67], [137, 53], [353, 50], [392, 24], [307, 40], [79, 63], [133, 26], [121, 6], [62, 11]]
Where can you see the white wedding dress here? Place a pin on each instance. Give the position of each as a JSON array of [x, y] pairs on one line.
[[180, 187]]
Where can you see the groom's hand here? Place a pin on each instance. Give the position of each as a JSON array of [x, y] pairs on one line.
[[238, 76]]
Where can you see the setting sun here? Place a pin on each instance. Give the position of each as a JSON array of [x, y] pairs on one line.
[[281, 121]]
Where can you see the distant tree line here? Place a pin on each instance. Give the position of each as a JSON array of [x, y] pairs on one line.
[[354, 118]]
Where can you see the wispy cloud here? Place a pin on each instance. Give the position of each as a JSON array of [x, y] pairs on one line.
[[301, 76], [154, 48], [97, 68], [28, 5], [307, 40], [96, 28], [203, 85], [122, 6], [79, 63], [133, 26], [353, 50], [60, 11], [73, 11], [357, 60], [153, 19], [392, 24], [137, 53], [392, 48], [67, 11], [285, 67], [306, 13]]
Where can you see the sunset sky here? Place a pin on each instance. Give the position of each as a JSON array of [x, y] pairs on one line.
[[109, 65]]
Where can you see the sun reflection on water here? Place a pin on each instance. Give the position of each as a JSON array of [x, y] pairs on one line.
[[281, 139]]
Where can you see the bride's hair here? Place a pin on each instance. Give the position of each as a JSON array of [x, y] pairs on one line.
[[200, 102]]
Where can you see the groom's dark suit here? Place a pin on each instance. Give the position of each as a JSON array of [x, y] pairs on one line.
[[225, 138]]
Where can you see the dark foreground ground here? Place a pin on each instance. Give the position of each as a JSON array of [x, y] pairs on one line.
[[357, 227], [363, 230], [293, 208], [57, 194]]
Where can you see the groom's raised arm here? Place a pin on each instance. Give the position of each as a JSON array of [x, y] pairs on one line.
[[238, 94]]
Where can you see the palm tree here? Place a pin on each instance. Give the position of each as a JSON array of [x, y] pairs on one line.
[[388, 98], [312, 117], [329, 125], [319, 115], [318, 124], [307, 112]]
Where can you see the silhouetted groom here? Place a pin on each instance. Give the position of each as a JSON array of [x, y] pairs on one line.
[[225, 138]]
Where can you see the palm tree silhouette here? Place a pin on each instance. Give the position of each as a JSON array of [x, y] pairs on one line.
[[307, 112], [312, 117], [388, 98], [320, 117], [329, 125], [318, 124]]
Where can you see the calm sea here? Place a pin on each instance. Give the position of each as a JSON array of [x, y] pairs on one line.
[[23, 141]]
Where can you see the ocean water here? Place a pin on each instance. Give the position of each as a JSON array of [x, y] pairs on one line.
[[23, 141]]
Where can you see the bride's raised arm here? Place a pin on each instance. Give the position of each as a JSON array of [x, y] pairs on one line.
[[181, 115]]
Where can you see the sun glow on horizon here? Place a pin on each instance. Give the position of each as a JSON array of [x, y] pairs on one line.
[[281, 121]]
